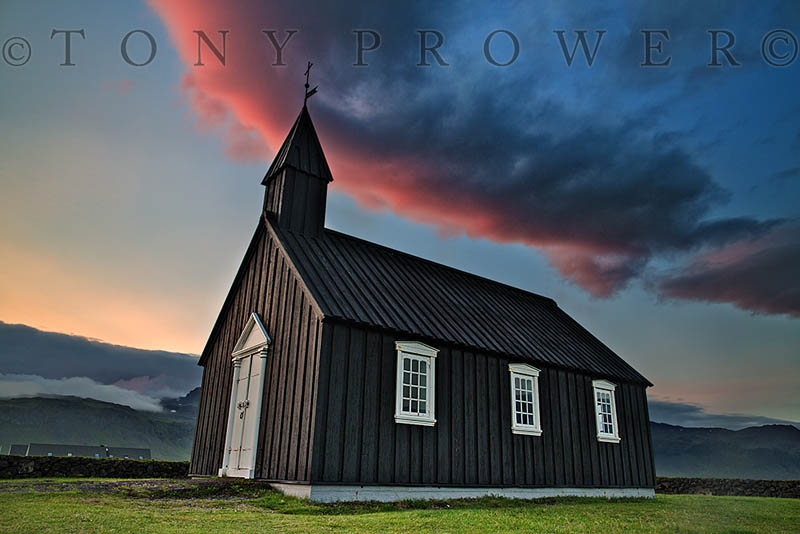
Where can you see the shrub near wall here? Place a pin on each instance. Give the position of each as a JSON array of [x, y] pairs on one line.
[[729, 486], [55, 466]]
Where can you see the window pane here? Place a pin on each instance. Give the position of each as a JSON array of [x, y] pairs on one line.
[[605, 414], [415, 385], [524, 401]]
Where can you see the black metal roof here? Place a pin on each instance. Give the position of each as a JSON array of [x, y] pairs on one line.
[[301, 150], [359, 281]]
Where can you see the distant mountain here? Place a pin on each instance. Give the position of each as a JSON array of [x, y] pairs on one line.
[[761, 452], [78, 421], [185, 406]]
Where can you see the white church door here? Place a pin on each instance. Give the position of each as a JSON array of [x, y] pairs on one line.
[[241, 450], [247, 391]]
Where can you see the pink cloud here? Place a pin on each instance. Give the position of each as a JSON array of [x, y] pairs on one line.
[[599, 213]]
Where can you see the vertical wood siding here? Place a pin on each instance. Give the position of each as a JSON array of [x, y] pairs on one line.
[[297, 201], [358, 441], [267, 285]]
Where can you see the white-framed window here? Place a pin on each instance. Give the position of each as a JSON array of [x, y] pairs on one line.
[[416, 383], [525, 399], [606, 411]]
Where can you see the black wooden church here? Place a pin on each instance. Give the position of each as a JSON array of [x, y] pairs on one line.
[[339, 369]]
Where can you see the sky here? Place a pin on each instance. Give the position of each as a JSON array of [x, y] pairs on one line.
[[656, 205]]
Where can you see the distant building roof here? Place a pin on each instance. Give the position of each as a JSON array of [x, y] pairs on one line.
[[18, 449], [91, 451], [57, 449]]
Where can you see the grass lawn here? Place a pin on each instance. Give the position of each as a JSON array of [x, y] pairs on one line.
[[65, 505]]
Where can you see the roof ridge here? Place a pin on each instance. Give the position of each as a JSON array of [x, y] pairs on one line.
[[437, 264]]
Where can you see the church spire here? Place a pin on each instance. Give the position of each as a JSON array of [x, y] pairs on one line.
[[297, 181]]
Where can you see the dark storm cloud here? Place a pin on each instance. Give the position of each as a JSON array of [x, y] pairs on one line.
[[512, 155], [761, 277], [28, 351], [600, 200], [690, 415]]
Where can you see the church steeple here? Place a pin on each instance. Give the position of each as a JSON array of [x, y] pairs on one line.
[[297, 181]]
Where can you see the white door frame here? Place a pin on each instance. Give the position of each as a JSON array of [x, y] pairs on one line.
[[253, 341]]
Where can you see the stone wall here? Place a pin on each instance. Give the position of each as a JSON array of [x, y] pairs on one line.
[[55, 466], [729, 486]]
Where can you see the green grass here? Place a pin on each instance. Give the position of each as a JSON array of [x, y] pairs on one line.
[[246, 508]]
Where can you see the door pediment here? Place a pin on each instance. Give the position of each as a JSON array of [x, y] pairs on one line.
[[254, 337]]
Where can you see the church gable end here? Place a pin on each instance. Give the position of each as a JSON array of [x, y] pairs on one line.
[[268, 285]]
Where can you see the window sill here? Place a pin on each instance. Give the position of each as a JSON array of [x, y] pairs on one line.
[[526, 431], [608, 439], [413, 420]]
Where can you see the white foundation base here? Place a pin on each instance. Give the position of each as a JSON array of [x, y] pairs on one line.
[[335, 493]]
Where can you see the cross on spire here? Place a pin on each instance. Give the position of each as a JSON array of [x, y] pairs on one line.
[[308, 93]]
